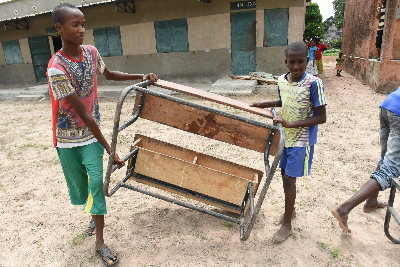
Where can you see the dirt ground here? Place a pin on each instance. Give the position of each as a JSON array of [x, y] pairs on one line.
[[39, 226]]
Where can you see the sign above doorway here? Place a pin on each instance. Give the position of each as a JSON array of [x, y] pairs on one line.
[[243, 5]]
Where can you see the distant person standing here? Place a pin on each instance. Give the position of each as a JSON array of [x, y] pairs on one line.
[[320, 48], [318, 57], [311, 65], [339, 61], [379, 34]]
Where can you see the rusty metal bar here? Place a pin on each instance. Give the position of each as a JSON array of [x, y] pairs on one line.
[[269, 173], [117, 118], [180, 203], [391, 212]]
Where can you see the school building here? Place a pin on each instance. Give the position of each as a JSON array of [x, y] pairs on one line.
[[179, 40], [359, 34]]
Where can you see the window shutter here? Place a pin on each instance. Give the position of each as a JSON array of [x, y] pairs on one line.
[[114, 41], [101, 41], [276, 26]]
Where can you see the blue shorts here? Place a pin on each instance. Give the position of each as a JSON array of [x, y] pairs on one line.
[[389, 161], [297, 160]]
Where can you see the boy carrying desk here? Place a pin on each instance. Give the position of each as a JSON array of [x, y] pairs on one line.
[[76, 119], [302, 99]]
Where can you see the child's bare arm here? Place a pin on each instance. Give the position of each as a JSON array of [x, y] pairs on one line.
[[90, 122], [121, 76], [268, 104], [319, 118]]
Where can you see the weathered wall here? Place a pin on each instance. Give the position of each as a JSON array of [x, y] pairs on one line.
[[396, 46], [204, 34], [359, 34], [365, 70], [138, 39], [194, 66], [358, 28], [209, 35], [16, 76]]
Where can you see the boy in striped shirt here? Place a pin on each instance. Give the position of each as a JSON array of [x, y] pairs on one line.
[[303, 102]]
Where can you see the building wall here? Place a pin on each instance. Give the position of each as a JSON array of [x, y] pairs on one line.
[[396, 47], [209, 34], [359, 34]]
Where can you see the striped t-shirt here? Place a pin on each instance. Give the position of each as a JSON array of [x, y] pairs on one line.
[[382, 19], [299, 100]]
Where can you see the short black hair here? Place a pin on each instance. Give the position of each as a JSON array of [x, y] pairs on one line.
[[317, 39], [59, 12], [297, 46]]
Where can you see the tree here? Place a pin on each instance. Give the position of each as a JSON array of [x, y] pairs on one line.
[[338, 6], [329, 22], [314, 24]]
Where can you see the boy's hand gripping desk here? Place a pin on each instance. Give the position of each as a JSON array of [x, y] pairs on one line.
[[192, 174]]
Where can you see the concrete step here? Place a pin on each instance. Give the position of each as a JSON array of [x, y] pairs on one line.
[[40, 87], [46, 93], [267, 88], [30, 97], [232, 93], [8, 94], [232, 86]]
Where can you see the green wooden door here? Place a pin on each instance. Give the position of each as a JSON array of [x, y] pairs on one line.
[[41, 55], [243, 42]]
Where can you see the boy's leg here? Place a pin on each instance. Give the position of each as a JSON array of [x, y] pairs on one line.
[[279, 220], [99, 220], [372, 202], [295, 162], [341, 212], [384, 131], [95, 204], [289, 184]]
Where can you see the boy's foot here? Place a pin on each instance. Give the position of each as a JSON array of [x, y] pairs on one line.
[[90, 230], [279, 220], [342, 218], [374, 206], [283, 233], [108, 256]]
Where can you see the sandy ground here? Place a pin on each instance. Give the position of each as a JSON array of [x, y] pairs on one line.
[[39, 227]]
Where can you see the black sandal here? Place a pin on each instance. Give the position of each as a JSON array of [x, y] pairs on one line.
[[107, 252], [91, 226]]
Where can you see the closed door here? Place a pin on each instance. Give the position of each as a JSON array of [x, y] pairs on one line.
[[243, 42], [41, 55]]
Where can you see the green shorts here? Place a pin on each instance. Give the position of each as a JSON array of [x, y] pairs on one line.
[[83, 171]]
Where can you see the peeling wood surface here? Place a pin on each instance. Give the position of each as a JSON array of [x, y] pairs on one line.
[[206, 124]]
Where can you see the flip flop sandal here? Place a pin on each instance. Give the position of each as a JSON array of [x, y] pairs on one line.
[[91, 226], [107, 252]]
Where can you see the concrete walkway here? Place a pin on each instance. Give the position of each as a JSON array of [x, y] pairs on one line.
[[223, 86]]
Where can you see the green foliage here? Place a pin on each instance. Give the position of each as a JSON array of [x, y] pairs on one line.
[[228, 224], [338, 6], [331, 52], [337, 43], [329, 22], [314, 25]]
